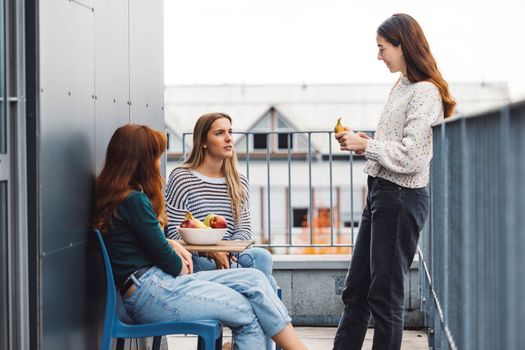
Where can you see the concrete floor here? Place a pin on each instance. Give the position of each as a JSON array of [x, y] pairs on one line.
[[315, 338]]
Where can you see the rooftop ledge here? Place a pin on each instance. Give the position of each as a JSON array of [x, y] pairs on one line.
[[316, 262]]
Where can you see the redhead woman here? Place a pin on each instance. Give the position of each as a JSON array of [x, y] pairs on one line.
[[155, 275]]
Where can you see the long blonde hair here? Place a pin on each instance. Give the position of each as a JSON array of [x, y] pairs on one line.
[[236, 191]]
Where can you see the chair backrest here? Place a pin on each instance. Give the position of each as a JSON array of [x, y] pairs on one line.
[[110, 316]]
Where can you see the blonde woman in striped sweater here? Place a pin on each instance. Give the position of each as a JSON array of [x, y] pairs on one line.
[[208, 182]]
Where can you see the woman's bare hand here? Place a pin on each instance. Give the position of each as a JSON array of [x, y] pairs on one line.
[[186, 257], [350, 141], [222, 259], [364, 136]]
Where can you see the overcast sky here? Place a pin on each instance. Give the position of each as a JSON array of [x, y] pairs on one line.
[[333, 41]]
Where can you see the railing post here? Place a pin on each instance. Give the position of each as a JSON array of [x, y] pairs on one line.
[[509, 230], [247, 155], [290, 213], [310, 190], [268, 187], [468, 242], [331, 189], [351, 162]]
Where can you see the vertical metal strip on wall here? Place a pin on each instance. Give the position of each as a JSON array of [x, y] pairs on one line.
[[15, 186]]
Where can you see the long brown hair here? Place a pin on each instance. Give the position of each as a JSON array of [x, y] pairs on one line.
[[229, 166], [402, 29], [131, 164]]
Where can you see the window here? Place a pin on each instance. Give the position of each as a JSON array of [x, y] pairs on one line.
[[283, 141], [349, 223], [323, 217], [260, 141], [300, 217]]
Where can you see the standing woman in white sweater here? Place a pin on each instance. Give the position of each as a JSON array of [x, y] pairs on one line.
[[397, 202]]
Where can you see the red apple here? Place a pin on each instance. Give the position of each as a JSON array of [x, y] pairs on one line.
[[215, 221]]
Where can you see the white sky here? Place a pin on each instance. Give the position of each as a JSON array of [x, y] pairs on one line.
[[333, 41]]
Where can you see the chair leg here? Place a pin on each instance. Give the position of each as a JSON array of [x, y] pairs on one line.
[[120, 344], [280, 296], [218, 343], [201, 344], [207, 342], [156, 343]]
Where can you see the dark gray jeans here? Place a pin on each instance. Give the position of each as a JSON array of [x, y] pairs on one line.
[[385, 247]]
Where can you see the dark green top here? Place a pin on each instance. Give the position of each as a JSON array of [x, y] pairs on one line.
[[136, 240]]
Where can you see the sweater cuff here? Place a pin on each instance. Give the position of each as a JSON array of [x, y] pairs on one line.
[[373, 149], [241, 237]]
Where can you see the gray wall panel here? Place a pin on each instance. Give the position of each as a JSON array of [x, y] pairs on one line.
[[111, 72], [65, 324], [146, 62], [85, 88], [67, 127]]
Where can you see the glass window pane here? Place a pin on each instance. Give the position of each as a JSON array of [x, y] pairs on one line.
[[260, 141], [283, 141], [3, 266], [300, 217]]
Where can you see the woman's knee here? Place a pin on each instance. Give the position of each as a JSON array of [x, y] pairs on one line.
[[257, 258]]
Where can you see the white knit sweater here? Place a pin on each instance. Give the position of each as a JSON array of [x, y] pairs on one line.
[[402, 148]]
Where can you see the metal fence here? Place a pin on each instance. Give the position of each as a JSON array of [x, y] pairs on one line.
[[472, 252], [306, 154]]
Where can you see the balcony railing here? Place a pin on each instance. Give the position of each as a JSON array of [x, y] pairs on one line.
[[299, 147], [472, 252]]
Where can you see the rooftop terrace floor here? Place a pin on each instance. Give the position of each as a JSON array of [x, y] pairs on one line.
[[315, 338]]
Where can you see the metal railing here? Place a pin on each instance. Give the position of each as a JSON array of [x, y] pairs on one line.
[[246, 152], [472, 251]]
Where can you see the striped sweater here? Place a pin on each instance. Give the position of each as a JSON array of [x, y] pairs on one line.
[[189, 190]]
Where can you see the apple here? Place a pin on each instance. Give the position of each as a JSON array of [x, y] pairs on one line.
[[215, 221]]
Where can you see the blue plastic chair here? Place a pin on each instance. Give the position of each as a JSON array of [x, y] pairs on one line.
[[209, 331]]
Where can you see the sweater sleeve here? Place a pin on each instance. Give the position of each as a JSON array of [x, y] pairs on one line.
[[411, 154], [244, 230], [140, 216], [176, 203]]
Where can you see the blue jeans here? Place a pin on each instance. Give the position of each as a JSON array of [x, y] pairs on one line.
[[256, 258], [242, 299]]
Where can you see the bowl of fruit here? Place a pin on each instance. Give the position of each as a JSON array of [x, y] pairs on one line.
[[207, 232]]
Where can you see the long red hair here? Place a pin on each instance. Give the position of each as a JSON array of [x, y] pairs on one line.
[[402, 29], [132, 163]]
